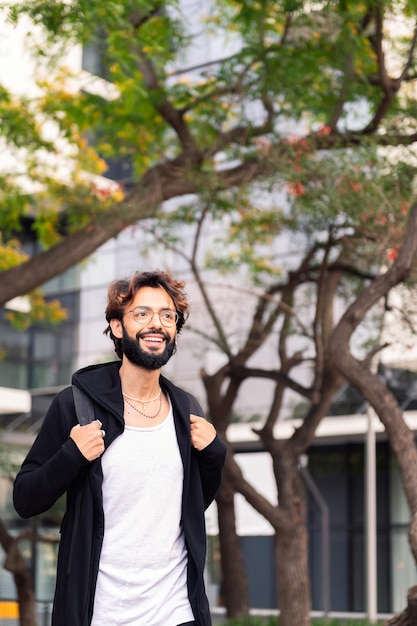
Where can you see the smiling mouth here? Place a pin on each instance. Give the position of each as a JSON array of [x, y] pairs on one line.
[[153, 340]]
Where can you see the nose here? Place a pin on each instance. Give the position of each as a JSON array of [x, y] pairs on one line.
[[156, 320]]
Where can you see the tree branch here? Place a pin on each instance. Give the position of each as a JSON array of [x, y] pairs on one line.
[[409, 64], [390, 86], [171, 115], [162, 182], [162, 104], [276, 516], [242, 373]]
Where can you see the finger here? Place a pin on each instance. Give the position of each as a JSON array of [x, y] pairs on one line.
[[99, 423]]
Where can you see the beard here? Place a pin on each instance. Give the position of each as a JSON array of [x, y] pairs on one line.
[[147, 360]]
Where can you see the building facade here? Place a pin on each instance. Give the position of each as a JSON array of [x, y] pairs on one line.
[[39, 362]]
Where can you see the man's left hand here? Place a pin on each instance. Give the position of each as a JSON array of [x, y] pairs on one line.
[[202, 432]]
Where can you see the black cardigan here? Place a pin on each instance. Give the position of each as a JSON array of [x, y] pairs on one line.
[[55, 466]]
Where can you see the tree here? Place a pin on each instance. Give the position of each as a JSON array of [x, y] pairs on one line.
[[14, 559], [401, 438], [323, 66], [343, 249], [16, 564]]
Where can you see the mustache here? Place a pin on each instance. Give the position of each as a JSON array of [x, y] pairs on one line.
[[145, 333]]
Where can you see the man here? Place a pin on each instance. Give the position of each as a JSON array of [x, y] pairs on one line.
[[137, 479]]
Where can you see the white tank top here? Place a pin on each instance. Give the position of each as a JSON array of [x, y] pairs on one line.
[[142, 578]]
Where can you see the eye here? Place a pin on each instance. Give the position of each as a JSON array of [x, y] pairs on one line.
[[142, 314]]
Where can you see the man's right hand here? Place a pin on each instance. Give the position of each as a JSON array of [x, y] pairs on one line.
[[89, 439]]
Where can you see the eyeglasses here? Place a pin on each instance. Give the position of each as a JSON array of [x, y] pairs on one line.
[[144, 315]]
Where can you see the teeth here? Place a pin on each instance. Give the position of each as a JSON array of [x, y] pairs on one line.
[[154, 339]]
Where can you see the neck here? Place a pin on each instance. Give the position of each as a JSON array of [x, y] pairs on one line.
[[137, 381]]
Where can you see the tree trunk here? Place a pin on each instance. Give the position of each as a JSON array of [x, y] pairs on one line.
[[288, 519], [409, 616], [291, 543], [401, 438], [234, 583], [16, 564], [291, 548]]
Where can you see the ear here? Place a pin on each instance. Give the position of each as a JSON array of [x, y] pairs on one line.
[[116, 328]]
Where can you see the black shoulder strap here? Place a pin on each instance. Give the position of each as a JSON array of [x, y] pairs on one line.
[[84, 408], [195, 407]]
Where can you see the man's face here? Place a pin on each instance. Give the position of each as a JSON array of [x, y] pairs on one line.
[[149, 343]]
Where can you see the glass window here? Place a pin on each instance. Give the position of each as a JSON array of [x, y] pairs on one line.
[[43, 345], [339, 474], [66, 343], [93, 55], [41, 356], [13, 375], [68, 280], [13, 343], [357, 582], [384, 574], [403, 568], [46, 557], [339, 570]]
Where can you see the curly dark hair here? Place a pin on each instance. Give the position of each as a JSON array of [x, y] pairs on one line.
[[121, 294]]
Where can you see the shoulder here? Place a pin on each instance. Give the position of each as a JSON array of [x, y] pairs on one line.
[[195, 406], [182, 397], [95, 373], [63, 398]]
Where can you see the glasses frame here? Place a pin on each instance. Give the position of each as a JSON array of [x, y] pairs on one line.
[[149, 310]]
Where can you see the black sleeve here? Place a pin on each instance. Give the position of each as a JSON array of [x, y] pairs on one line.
[[210, 462], [53, 462]]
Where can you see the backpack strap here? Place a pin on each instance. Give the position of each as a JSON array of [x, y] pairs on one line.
[[84, 407], [195, 407]]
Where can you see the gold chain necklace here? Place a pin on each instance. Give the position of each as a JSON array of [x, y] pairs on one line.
[[151, 417], [143, 402]]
